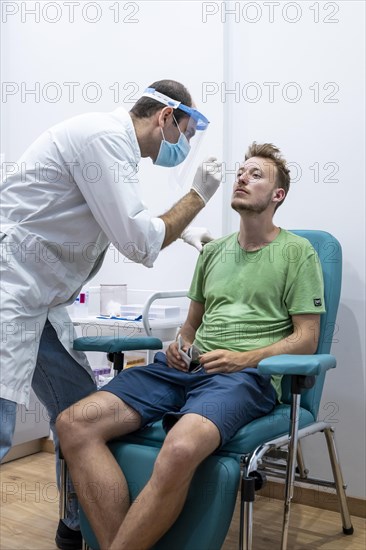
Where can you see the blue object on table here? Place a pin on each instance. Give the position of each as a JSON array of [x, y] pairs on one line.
[[130, 318]]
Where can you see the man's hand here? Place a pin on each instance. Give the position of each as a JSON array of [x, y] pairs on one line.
[[207, 178], [196, 236], [224, 361], [205, 184], [174, 358]]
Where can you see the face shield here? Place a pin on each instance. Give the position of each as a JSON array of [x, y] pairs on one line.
[[193, 126]]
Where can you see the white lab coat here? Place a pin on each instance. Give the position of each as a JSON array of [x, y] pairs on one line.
[[75, 191]]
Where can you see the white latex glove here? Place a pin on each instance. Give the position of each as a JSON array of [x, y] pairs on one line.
[[196, 236], [207, 178]]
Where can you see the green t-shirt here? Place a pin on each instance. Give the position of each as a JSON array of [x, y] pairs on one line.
[[249, 297]]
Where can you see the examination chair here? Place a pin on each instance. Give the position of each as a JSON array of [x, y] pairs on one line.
[[269, 445]]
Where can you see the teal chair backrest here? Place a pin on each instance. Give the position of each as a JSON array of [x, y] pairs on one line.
[[330, 254]]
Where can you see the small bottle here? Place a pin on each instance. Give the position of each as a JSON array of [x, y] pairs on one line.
[[81, 305]]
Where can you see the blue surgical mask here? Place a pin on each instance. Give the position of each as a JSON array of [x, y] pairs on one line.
[[172, 154]]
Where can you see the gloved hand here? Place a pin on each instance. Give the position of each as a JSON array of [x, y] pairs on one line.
[[196, 236], [207, 178]]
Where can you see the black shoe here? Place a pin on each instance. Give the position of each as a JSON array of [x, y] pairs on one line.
[[68, 539]]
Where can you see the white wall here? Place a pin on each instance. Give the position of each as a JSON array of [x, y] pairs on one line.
[[208, 50], [326, 132]]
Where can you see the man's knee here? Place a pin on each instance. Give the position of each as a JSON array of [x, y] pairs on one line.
[[73, 424], [187, 444], [177, 460], [95, 419]]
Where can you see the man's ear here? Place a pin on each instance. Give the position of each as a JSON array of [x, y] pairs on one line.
[[278, 194], [164, 115]]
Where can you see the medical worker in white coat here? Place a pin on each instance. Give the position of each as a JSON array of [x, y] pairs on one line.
[[75, 191]]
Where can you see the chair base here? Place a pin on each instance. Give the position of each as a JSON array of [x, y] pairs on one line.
[[254, 459]]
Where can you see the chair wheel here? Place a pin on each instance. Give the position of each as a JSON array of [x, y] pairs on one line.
[[259, 480], [348, 531]]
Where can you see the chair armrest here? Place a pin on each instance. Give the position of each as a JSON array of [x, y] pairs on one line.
[[110, 344], [305, 365], [158, 296]]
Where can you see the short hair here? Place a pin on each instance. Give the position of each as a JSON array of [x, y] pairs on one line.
[[146, 106], [270, 151]]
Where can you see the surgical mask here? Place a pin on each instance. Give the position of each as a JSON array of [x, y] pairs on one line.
[[172, 154]]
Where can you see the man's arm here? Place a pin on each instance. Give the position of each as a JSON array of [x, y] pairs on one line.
[[180, 215], [187, 332], [303, 340]]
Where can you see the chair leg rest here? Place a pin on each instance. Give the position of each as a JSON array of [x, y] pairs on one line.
[[348, 531]]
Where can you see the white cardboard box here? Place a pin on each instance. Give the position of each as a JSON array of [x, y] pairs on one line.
[[155, 312]]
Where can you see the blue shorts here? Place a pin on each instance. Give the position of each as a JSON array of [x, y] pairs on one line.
[[159, 392]]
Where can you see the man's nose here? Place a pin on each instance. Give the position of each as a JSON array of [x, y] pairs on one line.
[[243, 178]]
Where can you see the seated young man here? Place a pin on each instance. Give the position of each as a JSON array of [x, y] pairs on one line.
[[255, 294]]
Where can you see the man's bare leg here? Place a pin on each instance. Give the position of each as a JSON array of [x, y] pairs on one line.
[[84, 430], [188, 443]]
